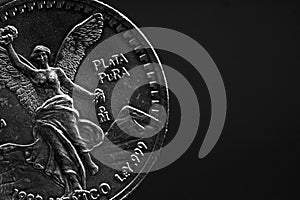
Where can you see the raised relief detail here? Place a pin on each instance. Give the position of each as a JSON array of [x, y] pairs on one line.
[[114, 71], [44, 91]]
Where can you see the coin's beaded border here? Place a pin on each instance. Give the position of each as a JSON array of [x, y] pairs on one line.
[[31, 5], [17, 7]]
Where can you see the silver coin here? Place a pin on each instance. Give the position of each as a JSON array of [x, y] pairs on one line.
[[83, 101]]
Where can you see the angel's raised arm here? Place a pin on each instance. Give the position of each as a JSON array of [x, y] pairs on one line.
[[23, 67]]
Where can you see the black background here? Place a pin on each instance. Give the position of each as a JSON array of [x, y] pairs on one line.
[[255, 46]]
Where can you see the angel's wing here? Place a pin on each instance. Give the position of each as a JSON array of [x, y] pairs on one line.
[[18, 83], [72, 50]]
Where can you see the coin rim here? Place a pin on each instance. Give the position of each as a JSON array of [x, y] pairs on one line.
[[128, 188]]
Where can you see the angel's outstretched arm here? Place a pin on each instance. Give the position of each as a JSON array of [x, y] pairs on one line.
[[76, 89], [18, 64]]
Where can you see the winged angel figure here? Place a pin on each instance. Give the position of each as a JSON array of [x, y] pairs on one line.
[[58, 149]]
